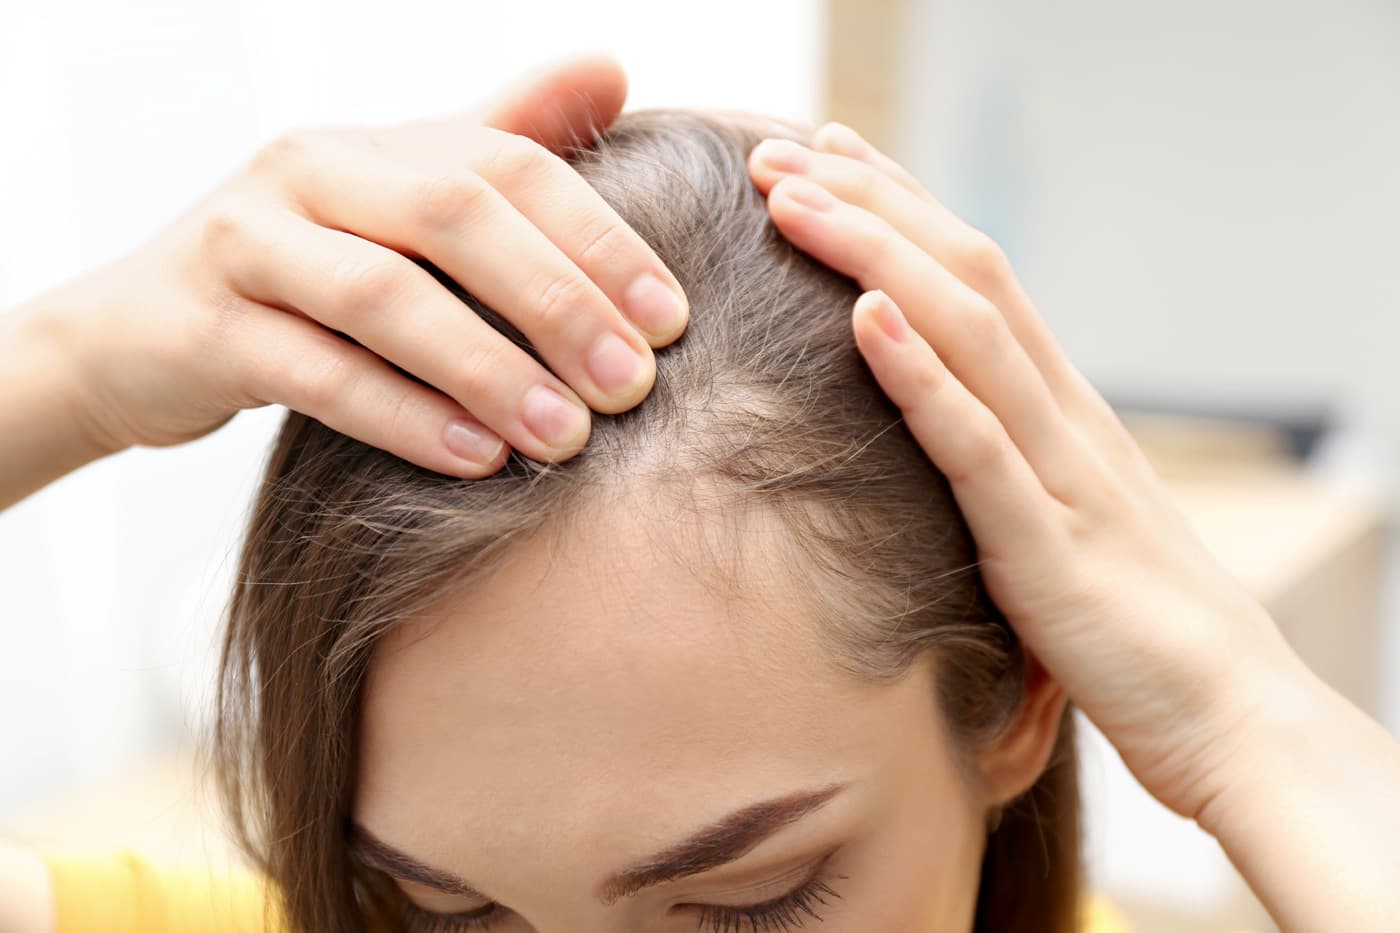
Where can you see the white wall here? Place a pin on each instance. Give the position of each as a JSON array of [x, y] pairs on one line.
[[1201, 195], [116, 117]]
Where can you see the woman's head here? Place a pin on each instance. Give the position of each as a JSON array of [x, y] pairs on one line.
[[737, 644]]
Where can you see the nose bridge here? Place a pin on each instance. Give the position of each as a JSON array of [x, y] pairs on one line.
[[589, 917], [561, 897], [594, 924], [555, 886]]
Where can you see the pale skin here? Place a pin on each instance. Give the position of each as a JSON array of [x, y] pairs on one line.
[[1080, 544], [493, 708]]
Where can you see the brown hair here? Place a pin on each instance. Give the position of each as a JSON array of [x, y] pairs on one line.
[[765, 400]]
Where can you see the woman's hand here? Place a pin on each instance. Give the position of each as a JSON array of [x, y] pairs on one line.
[[236, 304], [1082, 548], [1079, 542]]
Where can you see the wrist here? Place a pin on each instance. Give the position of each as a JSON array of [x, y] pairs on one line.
[[1281, 747], [45, 415], [55, 329], [1309, 814]]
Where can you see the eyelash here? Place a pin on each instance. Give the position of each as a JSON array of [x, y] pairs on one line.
[[780, 915], [425, 921]]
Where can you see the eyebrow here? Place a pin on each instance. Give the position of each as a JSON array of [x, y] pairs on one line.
[[717, 844]]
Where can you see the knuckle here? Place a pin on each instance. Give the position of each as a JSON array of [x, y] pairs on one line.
[[449, 201], [984, 444], [980, 258], [561, 297], [829, 136], [366, 287], [280, 153], [601, 241], [479, 366], [865, 181], [983, 321], [515, 161], [223, 230], [928, 380], [323, 379], [879, 248], [402, 416]]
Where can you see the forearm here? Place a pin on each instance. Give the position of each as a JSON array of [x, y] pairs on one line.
[[1311, 817], [44, 430]]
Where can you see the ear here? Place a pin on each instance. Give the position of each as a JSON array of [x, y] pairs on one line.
[[1017, 758], [562, 103]]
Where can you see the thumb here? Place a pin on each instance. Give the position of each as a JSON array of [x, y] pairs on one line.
[[562, 103]]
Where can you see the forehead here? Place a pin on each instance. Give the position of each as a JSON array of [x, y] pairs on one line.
[[599, 676]]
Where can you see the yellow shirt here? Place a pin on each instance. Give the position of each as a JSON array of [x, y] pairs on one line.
[[126, 893]]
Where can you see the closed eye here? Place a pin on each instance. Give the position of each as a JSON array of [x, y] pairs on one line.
[[779, 914], [714, 845], [417, 920]]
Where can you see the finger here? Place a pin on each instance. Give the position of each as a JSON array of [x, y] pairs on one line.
[[561, 104], [856, 172], [291, 361], [968, 330], [840, 139], [573, 215], [1004, 503], [396, 309], [962, 250], [468, 229]]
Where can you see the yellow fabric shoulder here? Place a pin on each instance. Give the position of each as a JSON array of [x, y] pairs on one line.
[[1100, 916], [126, 893]]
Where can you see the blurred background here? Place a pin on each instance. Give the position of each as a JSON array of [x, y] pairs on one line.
[[1201, 196]]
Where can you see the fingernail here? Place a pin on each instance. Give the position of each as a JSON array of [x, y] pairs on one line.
[[551, 417], [472, 441], [810, 194], [613, 364], [783, 155], [654, 306], [891, 319]]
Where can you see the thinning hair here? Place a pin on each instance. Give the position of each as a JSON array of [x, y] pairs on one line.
[[764, 403]]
